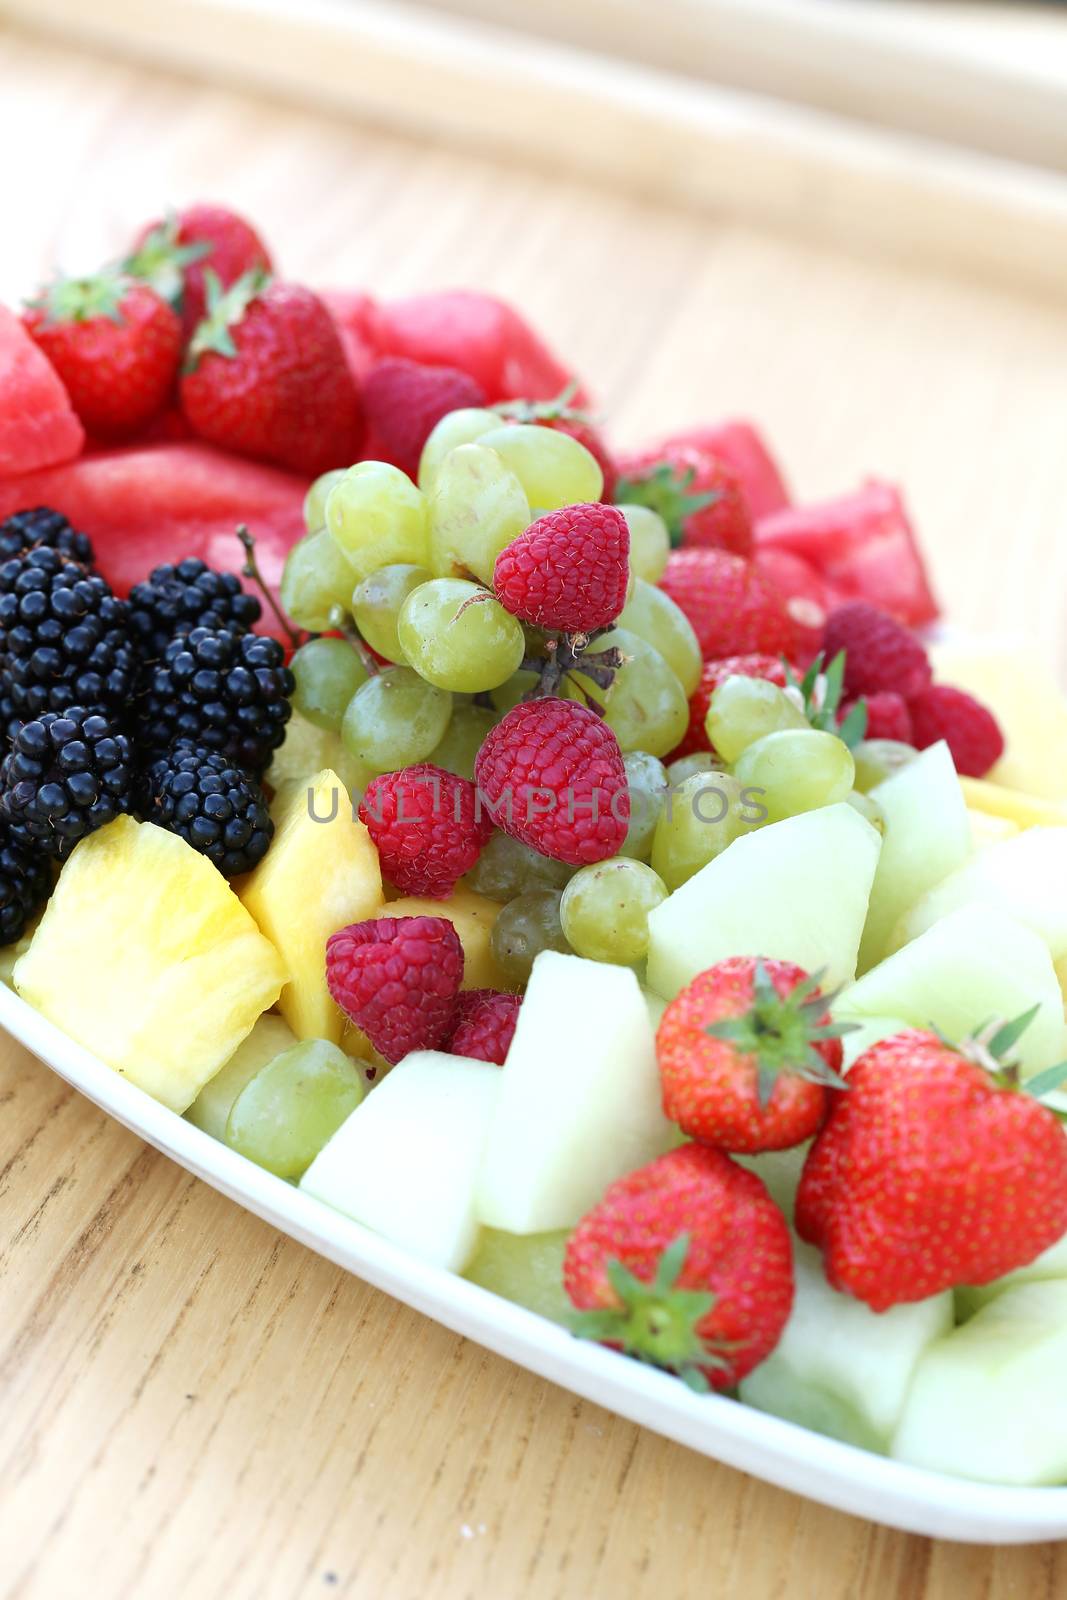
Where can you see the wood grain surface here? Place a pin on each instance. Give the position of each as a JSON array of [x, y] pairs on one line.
[[192, 1405]]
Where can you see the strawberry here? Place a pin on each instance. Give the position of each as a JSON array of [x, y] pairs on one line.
[[266, 377], [741, 446], [563, 417], [685, 1264], [933, 1170], [731, 605], [403, 401], [809, 599], [746, 1053], [698, 496], [174, 255], [115, 344], [715, 672], [568, 570]]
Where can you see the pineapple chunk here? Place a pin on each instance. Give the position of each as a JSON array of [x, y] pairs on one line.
[[305, 751], [146, 956], [472, 915], [1012, 805], [320, 873], [986, 829], [1028, 703]]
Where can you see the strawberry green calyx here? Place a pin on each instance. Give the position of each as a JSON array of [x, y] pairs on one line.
[[667, 490], [82, 299], [780, 1033], [557, 410], [657, 1322], [225, 309], [820, 693], [161, 261], [992, 1046]]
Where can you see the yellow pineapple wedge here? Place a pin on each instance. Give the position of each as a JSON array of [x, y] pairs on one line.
[[1013, 805], [320, 873], [146, 956], [305, 752], [472, 915], [1029, 704]]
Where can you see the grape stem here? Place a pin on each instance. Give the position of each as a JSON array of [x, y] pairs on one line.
[[251, 571], [355, 639], [566, 653]]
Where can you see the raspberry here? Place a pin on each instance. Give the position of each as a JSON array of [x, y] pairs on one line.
[[888, 716], [484, 1024], [403, 401], [397, 978], [699, 497], [569, 569], [714, 673], [971, 732], [423, 821], [733, 608], [880, 653], [551, 772]]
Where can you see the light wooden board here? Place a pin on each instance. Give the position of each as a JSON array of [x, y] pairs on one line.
[[191, 1405]]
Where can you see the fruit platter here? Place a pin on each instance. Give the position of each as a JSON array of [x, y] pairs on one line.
[[579, 890]]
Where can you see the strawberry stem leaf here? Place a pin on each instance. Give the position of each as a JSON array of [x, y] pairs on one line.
[[667, 490]]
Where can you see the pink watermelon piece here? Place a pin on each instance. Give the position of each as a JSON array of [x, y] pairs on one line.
[[354, 314], [147, 504], [743, 448], [38, 426], [863, 545]]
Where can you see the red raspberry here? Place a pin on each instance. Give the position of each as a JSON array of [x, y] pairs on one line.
[[714, 673], [423, 821], [880, 653], [569, 569], [403, 401], [698, 495], [888, 716], [484, 1024], [397, 978], [972, 733], [732, 606], [551, 772]]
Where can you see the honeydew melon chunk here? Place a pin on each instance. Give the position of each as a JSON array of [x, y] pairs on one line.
[[927, 835], [269, 1038], [1012, 805], [1051, 1263], [524, 1267], [989, 1401], [973, 965], [867, 1031], [986, 829], [840, 1368], [1024, 876], [794, 891], [780, 1170], [579, 1099], [406, 1161], [1027, 701]]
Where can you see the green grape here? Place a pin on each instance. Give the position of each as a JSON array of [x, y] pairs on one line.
[[524, 928], [704, 815], [696, 761], [554, 469], [868, 809], [316, 587], [645, 705], [463, 739], [605, 908], [508, 694], [647, 783], [458, 636], [378, 518], [455, 428], [797, 770], [650, 542], [655, 617], [395, 719], [316, 497], [878, 759], [743, 710], [526, 1268], [376, 604], [285, 1114], [507, 868], [328, 672], [477, 508]]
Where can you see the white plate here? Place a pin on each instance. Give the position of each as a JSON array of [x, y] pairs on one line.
[[838, 1475]]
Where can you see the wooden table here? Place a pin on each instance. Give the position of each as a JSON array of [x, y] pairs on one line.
[[193, 1405]]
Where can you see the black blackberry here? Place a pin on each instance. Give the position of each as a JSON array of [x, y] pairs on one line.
[[25, 882], [65, 636], [176, 599], [223, 691], [210, 803], [66, 776], [43, 526]]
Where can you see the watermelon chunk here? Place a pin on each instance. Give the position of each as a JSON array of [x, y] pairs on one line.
[[148, 504], [742, 447], [354, 314], [38, 427], [863, 544]]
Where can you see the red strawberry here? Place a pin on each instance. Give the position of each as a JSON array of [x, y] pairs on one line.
[[888, 716], [880, 653], [698, 496], [397, 978], [971, 731], [746, 1053], [423, 823], [563, 417], [484, 1024], [715, 672], [552, 776], [115, 344], [741, 446], [809, 599], [568, 570], [733, 609], [685, 1264], [403, 401], [174, 255], [930, 1173], [266, 377]]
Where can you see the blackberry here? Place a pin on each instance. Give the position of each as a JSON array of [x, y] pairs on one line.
[[66, 775], [65, 636], [25, 882], [43, 526], [210, 803], [224, 691], [176, 599]]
